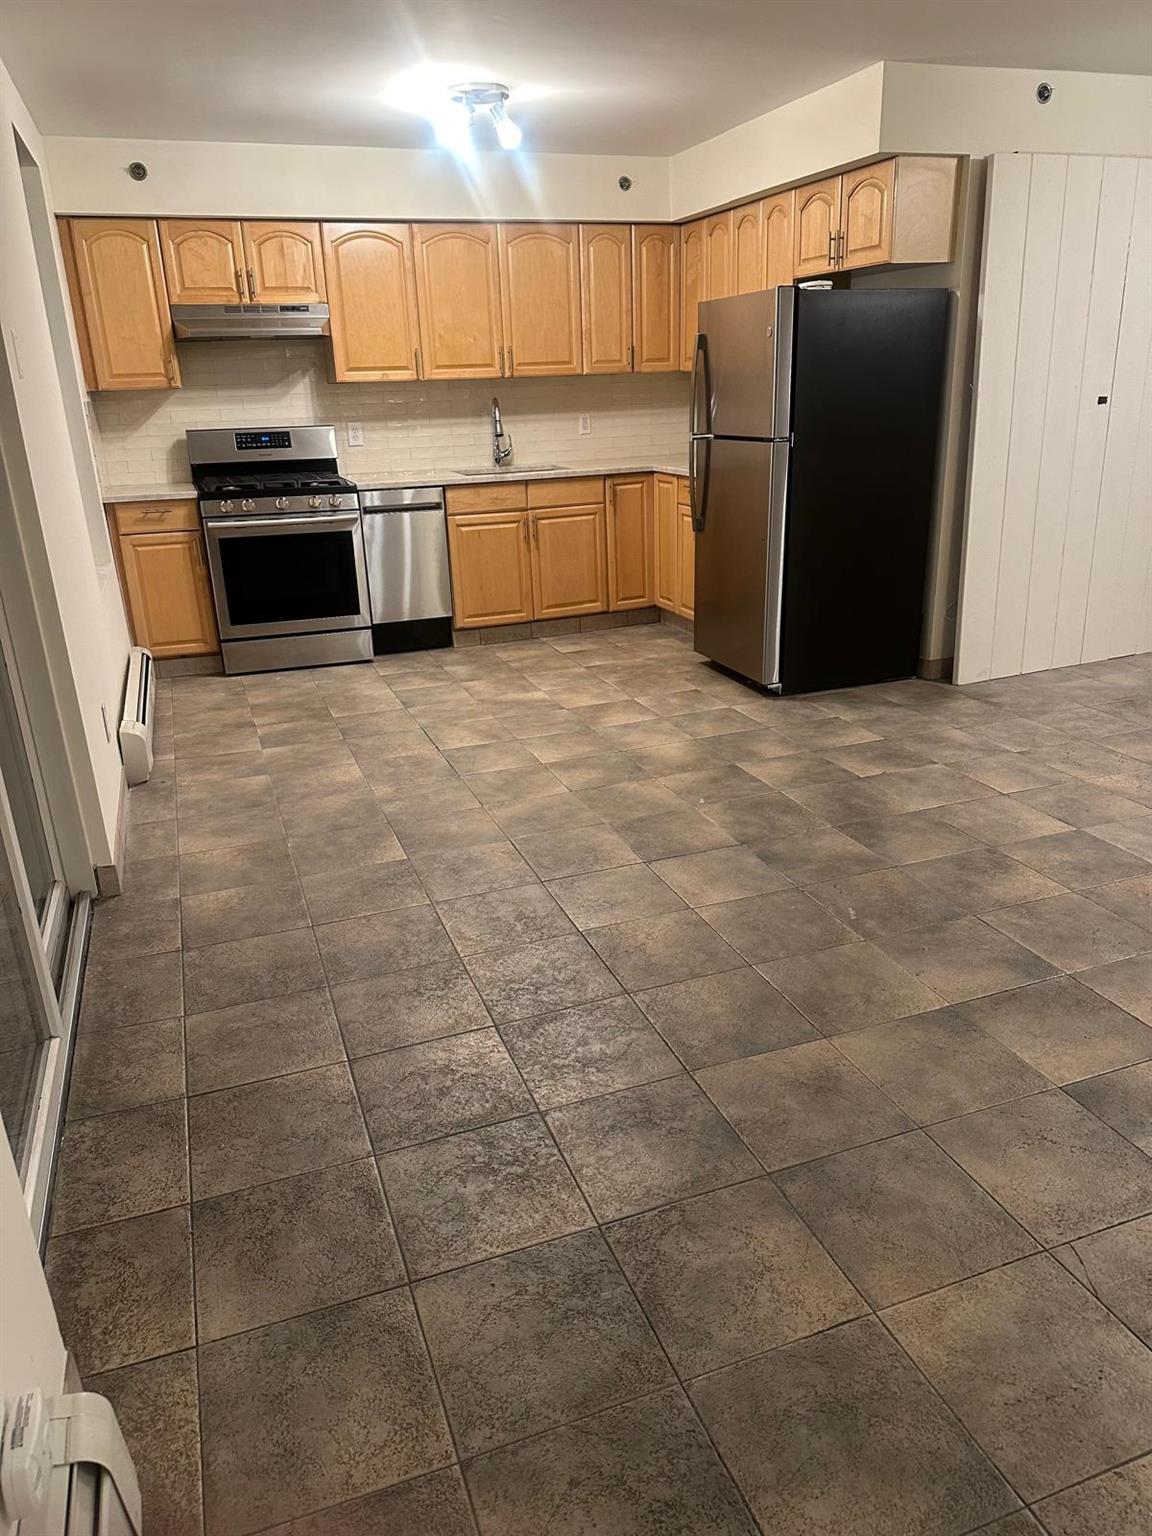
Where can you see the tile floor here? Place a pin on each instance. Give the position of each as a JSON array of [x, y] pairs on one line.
[[552, 1087]]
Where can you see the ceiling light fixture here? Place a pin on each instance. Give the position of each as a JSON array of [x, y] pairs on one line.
[[453, 125]]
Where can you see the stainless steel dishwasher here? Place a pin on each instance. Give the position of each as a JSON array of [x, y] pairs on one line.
[[406, 553]]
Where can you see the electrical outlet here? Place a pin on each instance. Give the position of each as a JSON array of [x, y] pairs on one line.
[[585, 428], [355, 435]]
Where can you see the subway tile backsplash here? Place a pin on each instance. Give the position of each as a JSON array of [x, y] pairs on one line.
[[409, 428]]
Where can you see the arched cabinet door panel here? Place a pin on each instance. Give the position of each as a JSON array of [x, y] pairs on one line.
[[124, 303], [284, 263], [606, 297], [540, 292], [203, 261], [372, 297], [779, 213], [817, 227], [656, 297], [693, 267], [866, 215], [748, 248], [458, 300]]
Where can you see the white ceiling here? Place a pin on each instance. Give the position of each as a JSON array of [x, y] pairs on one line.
[[606, 76]]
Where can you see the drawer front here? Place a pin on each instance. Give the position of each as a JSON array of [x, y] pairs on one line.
[[507, 497], [156, 516], [580, 492]]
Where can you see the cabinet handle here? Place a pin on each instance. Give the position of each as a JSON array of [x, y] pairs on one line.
[[416, 360], [632, 358], [251, 285], [501, 362], [524, 526], [240, 285], [511, 364], [831, 247]]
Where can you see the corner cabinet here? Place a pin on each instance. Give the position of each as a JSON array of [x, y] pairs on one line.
[[458, 300], [121, 302], [540, 295], [372, 296], [899, 212], [656, 298], [159, 550], [606, 297]]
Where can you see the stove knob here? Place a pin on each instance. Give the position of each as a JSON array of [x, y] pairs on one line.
[[227, 506], [315, 502], [247, 505], [281, 503], [336, 501]]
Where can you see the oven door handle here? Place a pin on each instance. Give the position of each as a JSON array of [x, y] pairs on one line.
[[327, 520]]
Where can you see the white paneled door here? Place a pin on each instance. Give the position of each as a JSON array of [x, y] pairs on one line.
[[1057, 562]]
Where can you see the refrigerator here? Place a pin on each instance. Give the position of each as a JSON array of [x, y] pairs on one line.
[[815, 421]]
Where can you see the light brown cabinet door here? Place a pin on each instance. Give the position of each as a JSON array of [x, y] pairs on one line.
[[719, 262], [458, 299], [748, 248], [569, 566], [606, 297], [203, 261], [686, 563], [284, 263], [656, 298], [778, 257], [667, 540], [124, 303], [79, 318], [817, 225], [372, 298], [631, 552], [491, 572], [693, 267], [540, 293], [169, 593], [866, 215]]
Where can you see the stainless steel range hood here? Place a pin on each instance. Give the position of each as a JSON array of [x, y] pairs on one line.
[[248, 322]]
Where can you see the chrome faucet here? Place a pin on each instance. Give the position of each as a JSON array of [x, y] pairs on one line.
[[501, 449]]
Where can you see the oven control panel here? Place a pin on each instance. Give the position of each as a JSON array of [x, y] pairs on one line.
[[262, 440]]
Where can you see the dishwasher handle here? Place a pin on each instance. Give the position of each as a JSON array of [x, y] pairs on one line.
[[407, 498]]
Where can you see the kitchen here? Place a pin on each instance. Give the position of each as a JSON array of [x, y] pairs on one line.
[[574, 786]]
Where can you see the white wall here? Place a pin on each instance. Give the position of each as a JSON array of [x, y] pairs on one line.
[[828, 128], [322, 181], [954, 109], [57, 531], [1057, 561]]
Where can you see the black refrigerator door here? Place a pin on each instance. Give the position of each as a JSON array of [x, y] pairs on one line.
[[868, 370]]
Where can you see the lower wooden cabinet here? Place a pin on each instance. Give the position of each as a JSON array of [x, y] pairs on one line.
[[631, 545], [569, 567], [167, 590], [491, 569], [686, 562], [667, 535]]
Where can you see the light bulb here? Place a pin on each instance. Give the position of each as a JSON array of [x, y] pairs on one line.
[[507, 131]]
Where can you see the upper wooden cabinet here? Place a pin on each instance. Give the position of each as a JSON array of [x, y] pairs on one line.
[[748, 248], [540, 291], [779, 213], [123, 304], [719, 262], [606, 293], [284, 263], [372, 297], [866, 199], [656, 298], [817, 224], [203, 261], [631, 559], [693, 270], [458, 298]]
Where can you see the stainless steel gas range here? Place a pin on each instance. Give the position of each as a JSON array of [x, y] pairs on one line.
[[285, 547]]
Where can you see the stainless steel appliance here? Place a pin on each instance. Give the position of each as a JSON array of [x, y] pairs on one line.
[[814, 426], [249, 322], [285, 548], [406, 548]]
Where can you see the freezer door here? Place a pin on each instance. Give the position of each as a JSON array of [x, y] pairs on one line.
[[747, 342], [737, 558]]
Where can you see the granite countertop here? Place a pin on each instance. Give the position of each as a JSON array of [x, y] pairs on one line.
[[445, 477]]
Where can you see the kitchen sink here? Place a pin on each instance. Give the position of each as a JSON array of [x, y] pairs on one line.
[[513, 471]]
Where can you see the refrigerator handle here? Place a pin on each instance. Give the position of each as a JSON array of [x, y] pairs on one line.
[[698, 480], [701, 389]]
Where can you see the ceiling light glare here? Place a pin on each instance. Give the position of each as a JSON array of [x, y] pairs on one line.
[[507, 131], [453, 124]]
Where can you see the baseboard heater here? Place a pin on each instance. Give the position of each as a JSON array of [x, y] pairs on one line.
[[139, 711]]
